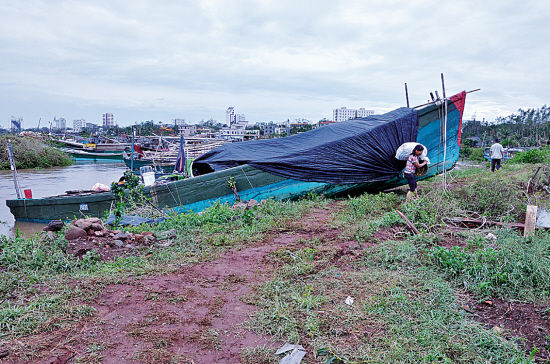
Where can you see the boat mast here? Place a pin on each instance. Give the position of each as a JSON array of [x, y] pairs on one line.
[[132, 156], [13, 170], [444, 135]]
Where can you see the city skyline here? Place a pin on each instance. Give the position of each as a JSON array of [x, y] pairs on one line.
[[274, 60]]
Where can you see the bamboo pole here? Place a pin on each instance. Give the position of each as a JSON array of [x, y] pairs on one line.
[[13, 170], [407, 94]]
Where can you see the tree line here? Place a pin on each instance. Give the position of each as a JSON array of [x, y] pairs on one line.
[[526, 127]]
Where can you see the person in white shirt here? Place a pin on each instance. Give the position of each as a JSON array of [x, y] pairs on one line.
[[497, 152]]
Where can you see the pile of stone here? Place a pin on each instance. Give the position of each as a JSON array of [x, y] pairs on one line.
[[84, 235]]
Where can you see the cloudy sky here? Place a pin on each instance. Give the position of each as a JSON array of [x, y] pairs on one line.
[[272, 60]]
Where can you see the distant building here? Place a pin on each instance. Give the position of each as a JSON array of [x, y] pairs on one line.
[[178, 121], [16, 124], [59, 124], [343, 113], [272, 128], [187, 130], [231, 118], [78, 125], [238, 134], [326, 122], [108, 120], [91, 126]]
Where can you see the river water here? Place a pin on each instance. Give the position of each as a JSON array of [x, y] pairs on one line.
[[49, 182]]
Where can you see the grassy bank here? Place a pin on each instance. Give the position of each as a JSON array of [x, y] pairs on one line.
[[31, 153], [285, 269]]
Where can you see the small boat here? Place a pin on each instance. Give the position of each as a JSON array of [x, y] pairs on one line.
[[85, 154], [339, 159]]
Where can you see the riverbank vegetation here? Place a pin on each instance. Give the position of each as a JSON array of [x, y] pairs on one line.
[[31, 153], [344, 278]]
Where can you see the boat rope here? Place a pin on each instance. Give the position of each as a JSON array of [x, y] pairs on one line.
[[242, 169]]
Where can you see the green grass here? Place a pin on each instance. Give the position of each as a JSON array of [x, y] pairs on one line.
[[512, 267], [404, 311]]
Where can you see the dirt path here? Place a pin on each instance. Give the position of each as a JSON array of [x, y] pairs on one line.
[[194, 315]]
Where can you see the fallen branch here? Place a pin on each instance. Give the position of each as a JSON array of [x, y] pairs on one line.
[[409, 223], [478, 222]]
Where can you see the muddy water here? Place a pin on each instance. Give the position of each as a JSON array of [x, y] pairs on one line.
[[49, 182]]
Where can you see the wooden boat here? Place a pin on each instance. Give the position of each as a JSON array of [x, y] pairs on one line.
[[200, 192], [85, 154]]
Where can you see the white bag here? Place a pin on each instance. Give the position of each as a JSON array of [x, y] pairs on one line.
[[406, 149], [100, 187]]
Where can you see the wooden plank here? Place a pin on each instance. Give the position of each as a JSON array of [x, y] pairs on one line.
[[530, 220], [409, 223]]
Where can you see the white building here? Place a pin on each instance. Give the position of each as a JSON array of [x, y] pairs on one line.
[[238, 134], [232, 118], [108, 120], [60, 124], [16, 124], [343, 113], [78, 125]]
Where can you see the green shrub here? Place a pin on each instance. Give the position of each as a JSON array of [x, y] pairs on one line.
[[492, 197], [31, 153], [532, 156], [476, 154]]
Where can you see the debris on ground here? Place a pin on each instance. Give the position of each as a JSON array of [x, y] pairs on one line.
[[84, 235], [491, 236], [297, 353], [349, 300]]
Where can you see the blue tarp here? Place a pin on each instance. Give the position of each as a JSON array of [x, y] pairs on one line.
[[353, 151]]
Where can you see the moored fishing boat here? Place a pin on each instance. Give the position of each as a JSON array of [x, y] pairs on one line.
[[338, 159], [85, 154]]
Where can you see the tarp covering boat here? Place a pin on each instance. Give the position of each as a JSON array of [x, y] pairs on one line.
[[353, 151]]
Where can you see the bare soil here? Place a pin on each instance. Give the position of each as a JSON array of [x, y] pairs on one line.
[[525, 320]]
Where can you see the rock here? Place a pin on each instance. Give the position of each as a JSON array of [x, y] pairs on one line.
[[129, 246], [122, 236], [91, 232], [96, 226], [239, 205], [100, 233], [491, 236], [498, 329], [164, 245], [54, 225], [50, 235], [117, 232], [80, 252], [169, 234], [147, 233], [139, 238], [118, 243], [74, 232], [148, 239], [488, 302], [250, 204], [84, 224]]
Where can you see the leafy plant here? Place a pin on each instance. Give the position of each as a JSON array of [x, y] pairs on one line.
[[127, 193]]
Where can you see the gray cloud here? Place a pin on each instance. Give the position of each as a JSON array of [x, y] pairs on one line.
[[271, 59]]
